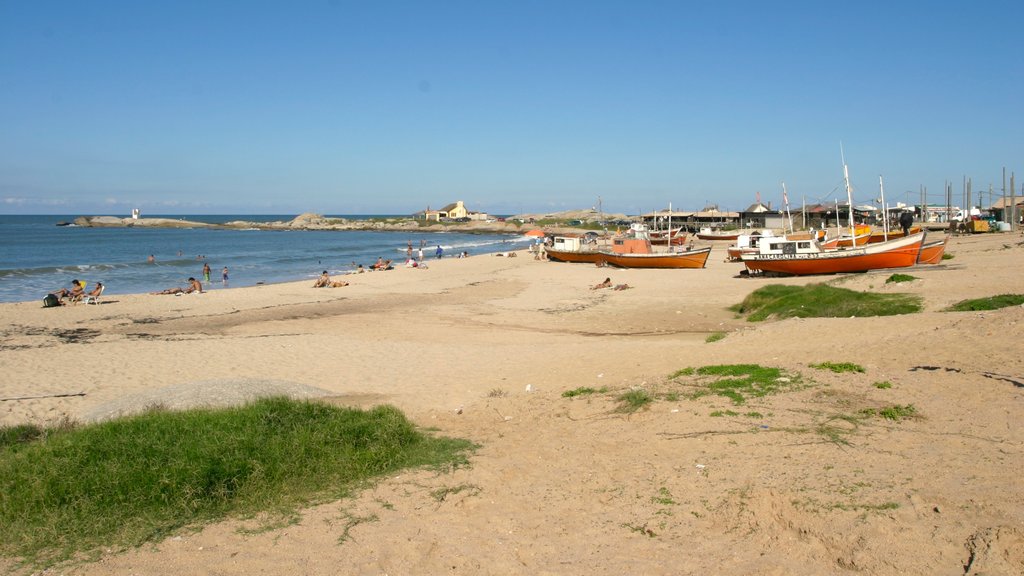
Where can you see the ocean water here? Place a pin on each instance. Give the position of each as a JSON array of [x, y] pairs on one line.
[[38, 257]]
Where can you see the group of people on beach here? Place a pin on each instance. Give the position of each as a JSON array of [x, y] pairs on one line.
[[75, 294]]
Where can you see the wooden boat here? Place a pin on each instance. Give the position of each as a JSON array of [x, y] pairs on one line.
[[931, 252], [805, 257], [747, 244], [861, 236], [685, 259], [709, 234], [881, 236], [675, 237], [573, 249]]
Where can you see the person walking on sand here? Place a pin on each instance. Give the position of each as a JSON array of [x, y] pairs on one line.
[[206, 272], [224, 276]]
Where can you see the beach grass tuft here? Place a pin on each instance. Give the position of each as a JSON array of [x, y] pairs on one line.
[[738, 382], [65, 492], [838, 367], [714, 337], [897, 278], [822, 301], [988, 303]]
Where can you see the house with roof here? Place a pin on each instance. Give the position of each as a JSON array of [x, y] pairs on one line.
[[452, 211]]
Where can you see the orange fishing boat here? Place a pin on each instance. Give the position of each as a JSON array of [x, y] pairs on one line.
[[931, 252], [573, 249], [647, 259], [676, 237], [805, 257]]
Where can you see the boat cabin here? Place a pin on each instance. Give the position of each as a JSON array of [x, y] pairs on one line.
[[626, 245], [781, 245]]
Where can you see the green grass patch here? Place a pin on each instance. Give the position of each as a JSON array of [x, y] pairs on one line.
[[634, 400], [897, 278], [822, 301], [715, 337], [838, 367], [990, 303], [737, 382], [67, 491], [720, 413], [884, 385], [894, 413], [947, 256], [583, 391]]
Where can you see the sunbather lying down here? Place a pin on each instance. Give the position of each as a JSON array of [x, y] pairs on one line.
[[324, 281], [193, 286], [606, 284]]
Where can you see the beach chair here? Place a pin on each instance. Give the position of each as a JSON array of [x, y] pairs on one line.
[[95, 299]]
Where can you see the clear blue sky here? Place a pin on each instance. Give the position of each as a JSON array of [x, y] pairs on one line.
[[360, 107]]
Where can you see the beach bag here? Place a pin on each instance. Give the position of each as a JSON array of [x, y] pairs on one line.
[[50, 301]]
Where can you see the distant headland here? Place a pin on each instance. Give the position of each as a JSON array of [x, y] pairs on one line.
[[311, 221]]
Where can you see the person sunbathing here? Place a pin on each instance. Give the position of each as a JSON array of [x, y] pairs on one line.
[[622, 287], [607, 283], [323, 281], [193, 286]]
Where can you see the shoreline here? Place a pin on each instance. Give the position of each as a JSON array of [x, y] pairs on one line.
[[484, 348]]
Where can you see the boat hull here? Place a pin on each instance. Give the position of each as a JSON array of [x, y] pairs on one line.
[[717, 236], [688, 259], [931, 253], [585, 256], [900, 253]]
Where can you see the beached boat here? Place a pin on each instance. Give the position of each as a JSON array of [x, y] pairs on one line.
[[931, 252], [631, 250], [649, 259], [747, 244], [634, 250], [882, 236], [573, 249], [805, 257], [709, 234], [676, 237]]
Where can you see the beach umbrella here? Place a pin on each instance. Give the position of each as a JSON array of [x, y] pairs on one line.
[[536, 233]]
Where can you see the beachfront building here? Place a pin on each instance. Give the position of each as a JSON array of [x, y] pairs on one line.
[[451, 212], [760, 215]]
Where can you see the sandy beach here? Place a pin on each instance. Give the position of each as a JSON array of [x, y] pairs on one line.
[[483, 348]]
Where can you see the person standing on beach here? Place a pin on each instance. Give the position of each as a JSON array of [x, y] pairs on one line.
[[439, 252], [906, 221], [224, 276], [421, 253], [206, 272], [408, 250]]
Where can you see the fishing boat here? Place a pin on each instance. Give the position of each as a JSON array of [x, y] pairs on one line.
[[573, 249], [805, 257], [932, 252], [883, 235], [676, 237], [860, 236], [630, 250], [747, 244], [709, 234], [634, 250]]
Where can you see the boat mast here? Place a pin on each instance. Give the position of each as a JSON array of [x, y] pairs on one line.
[[885, 210], [789, 217], [849, 196]]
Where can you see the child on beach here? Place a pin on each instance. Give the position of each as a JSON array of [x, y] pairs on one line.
[[224, 276]]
